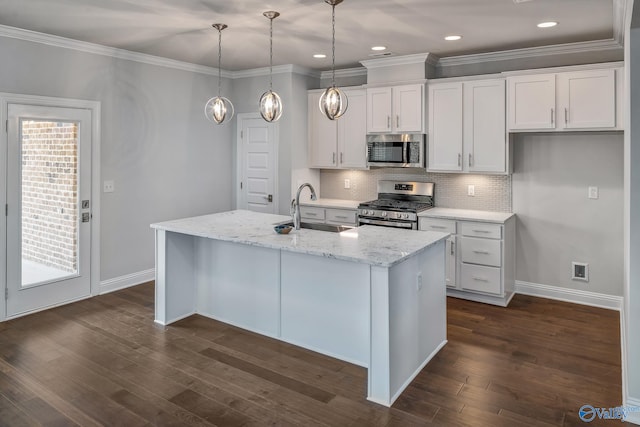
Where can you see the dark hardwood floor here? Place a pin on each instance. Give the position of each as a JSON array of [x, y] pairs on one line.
[[102, 361]]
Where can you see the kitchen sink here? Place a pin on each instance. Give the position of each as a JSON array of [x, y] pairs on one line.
[[320, 227]]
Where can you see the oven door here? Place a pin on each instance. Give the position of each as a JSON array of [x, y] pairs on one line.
[[409, 225]]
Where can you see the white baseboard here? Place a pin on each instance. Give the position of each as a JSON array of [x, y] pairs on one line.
[[594, 299], [632, 417], [126, 281]]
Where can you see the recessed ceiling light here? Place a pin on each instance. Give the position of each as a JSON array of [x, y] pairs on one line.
[[547, 24], [320, 55], [452, 38], [379, 48]]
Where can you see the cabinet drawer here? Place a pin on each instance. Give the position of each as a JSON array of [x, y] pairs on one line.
[[480, 278], [478, 229], [481, 251], [434, 224], [340, 216], [312, 213]]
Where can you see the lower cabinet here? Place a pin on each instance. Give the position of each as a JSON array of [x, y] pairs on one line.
[[318, 214], [479, 259]]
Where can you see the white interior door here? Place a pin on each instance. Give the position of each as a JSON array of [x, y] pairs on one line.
[[48, 206], [258, 167]]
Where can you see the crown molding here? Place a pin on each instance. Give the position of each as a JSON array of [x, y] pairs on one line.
[[279, 69], [419, 58], [506, 55], [96, 49], [346, 72]]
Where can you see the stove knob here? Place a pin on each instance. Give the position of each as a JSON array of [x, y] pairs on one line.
[[405, 215], [371, 212], [384, 214]]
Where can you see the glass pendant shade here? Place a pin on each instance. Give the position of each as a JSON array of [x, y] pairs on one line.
[[333, 103], [219, 109], [270, 106]]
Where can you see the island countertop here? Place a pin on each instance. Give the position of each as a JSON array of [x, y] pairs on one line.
[[380, 246]]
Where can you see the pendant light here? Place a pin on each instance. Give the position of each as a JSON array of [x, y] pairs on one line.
[[270, 102], [219, 109], [333, 102]]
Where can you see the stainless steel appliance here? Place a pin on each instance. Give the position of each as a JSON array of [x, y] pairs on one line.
[[396, 150], [398, 204]]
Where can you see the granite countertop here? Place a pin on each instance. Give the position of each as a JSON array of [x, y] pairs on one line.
[[467, 215], [380, 246], [332, 203]]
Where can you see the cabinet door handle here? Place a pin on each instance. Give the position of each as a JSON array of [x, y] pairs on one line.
[[453, 244], [459, 159], [481, 252], [552, 116], [341, 158], [470, 159], [310, 214], [388, 122], [481, 231], [342, 216], [439, 227], [480, 279], [333, 161], [397, 121], [566, 116]]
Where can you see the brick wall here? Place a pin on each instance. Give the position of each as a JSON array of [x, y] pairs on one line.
[[49, 194]]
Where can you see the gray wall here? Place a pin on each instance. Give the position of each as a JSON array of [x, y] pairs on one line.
[[292, 126], [557, 223], [166, 159], [633, 212]]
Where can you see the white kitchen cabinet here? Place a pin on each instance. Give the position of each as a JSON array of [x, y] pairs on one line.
[[572, 100], [467, 127], [395, 109], [450, 258], [479, 259], [340, 143]]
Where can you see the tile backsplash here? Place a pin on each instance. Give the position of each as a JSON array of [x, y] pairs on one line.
[[492, 192]]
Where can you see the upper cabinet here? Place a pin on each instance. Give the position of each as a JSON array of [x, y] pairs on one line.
[[575, 100], [341, 143], [467, 127], [395, 109]]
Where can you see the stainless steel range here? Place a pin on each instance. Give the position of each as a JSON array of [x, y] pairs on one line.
[[398, 204]]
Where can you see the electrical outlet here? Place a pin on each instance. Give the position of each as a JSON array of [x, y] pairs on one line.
[[108, 187], [580, 271], [471, 190], [593, 192], [347, 183]]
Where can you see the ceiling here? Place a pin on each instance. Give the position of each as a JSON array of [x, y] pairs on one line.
[[181, 30]]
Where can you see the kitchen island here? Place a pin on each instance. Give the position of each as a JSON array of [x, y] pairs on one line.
[[372, 296]]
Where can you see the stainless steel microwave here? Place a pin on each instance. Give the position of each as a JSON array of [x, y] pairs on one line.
[[396, 150]]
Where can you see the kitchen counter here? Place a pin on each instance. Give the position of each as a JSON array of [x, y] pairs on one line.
[[467, 215], [372, 296], [332, 203], [371, 245]]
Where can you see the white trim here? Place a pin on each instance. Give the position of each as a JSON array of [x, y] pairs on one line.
[[279, 69], [593, 299], [620, 10], [81, 46], [572, 68], [126, 281], [418, 58], [632, 417], [530, 52]]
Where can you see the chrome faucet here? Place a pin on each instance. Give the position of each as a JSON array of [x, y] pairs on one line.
[[295, 204]]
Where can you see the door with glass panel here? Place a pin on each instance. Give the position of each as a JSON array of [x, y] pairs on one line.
[[48, 207]]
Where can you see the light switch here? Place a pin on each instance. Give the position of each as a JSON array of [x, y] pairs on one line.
[[593, 192]]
